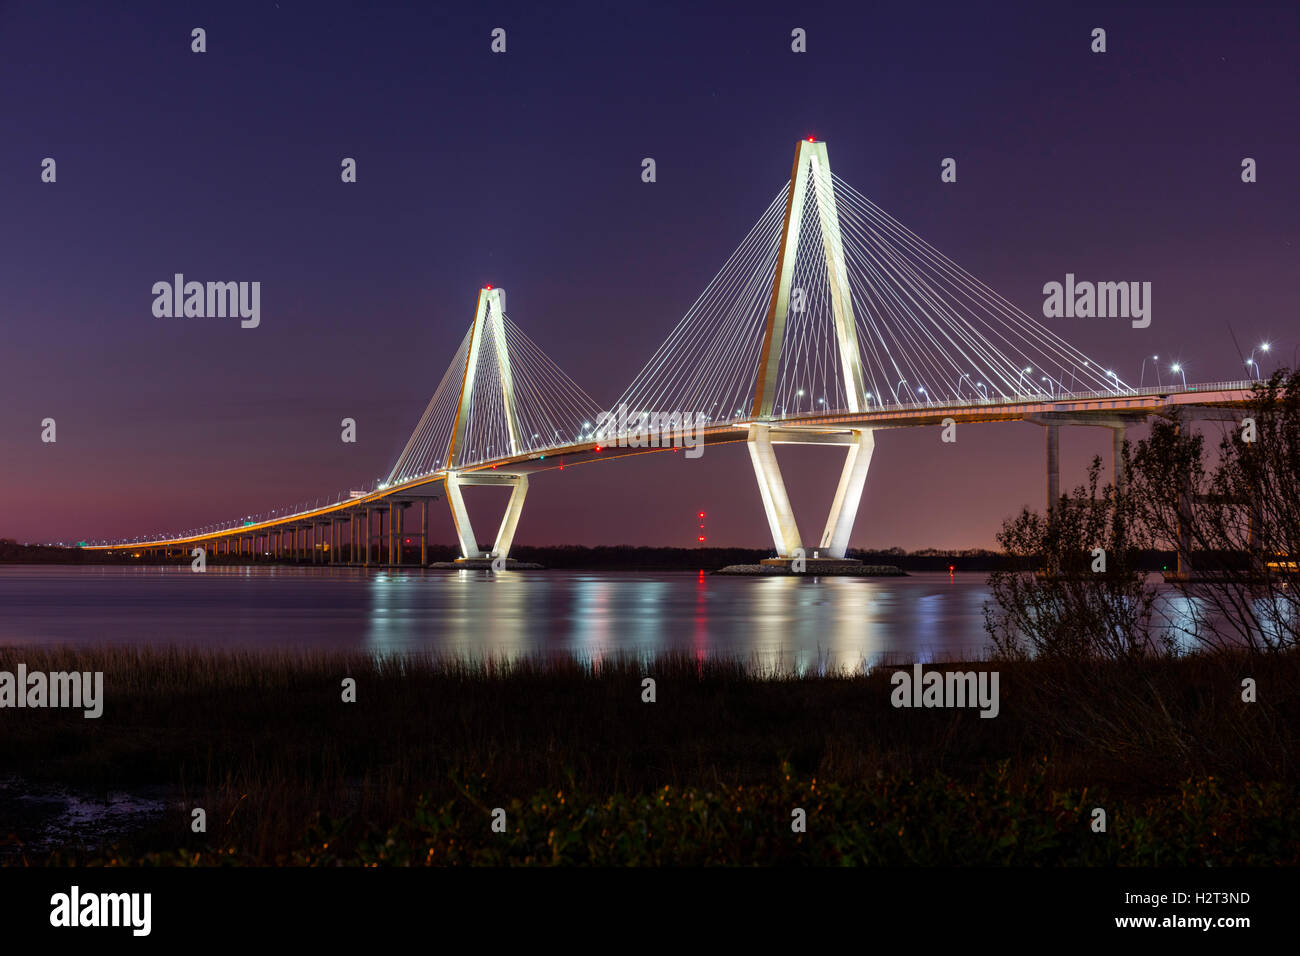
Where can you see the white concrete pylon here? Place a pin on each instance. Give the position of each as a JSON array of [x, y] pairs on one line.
[[776, 503], [469, 547], [848, 494], [489, 320], [860, 443], [811, 165]]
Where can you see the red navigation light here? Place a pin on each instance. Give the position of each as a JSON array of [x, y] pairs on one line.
[[701, 514], [597, 448], [408, 540], [810, 139], [488, 287], [700, 538]]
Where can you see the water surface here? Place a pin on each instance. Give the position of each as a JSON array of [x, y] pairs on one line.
[[476, 613]]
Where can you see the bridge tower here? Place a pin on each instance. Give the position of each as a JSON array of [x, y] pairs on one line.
[[810, 180], [488, 321]]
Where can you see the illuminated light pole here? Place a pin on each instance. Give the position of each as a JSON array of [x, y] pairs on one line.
[[1143, 377], [1252, 364], [1177, 367]]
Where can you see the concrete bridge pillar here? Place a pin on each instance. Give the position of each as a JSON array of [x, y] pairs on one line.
[[860, 445], [424, 532], [1117, 456], [469, 547], [1053, 468], [394, 516]]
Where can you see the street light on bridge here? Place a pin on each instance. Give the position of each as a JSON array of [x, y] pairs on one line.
[[1142, 379], [1251, 363]]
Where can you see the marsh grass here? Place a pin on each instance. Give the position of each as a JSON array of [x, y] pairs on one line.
[[265, 744]]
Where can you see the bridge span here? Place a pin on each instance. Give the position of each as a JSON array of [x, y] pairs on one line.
[[829, 322]]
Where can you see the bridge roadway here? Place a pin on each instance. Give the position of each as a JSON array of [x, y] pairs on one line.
[[1115, 410]]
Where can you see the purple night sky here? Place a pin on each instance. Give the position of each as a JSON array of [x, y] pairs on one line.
[[523, 170]]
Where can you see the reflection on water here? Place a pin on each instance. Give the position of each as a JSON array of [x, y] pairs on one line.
[[796, 621], [799, 621]]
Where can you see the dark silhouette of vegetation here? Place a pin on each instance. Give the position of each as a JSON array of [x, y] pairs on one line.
[[264, 744], [1238, 512], [1089, 597]]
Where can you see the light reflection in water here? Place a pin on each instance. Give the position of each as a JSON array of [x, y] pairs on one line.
[[798, 622]]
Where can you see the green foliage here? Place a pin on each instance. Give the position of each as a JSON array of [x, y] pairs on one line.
[[894, 821]]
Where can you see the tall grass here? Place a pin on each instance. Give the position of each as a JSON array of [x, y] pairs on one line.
[[265, 744]]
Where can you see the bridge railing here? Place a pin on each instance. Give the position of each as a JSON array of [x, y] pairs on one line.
[[1021, 399]]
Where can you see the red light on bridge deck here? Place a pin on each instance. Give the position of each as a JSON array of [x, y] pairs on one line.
[[597, 448]]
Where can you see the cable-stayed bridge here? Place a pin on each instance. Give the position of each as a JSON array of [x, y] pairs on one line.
[[831, 320]]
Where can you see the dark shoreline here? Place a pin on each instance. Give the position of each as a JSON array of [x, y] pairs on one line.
[[584, 558]]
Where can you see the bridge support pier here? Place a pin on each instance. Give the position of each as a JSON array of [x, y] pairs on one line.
[[1117, 435], [1053, 468], [424, 533], [1052, 423], [860, 444], [394, 533], [469, 548]]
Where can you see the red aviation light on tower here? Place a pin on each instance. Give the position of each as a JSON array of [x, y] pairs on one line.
[[810, 139], [488, 287]]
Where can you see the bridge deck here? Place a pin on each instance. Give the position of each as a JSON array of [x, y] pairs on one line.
[[1134, 404]]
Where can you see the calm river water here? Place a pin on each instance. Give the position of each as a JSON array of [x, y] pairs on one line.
[[474, 613]]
